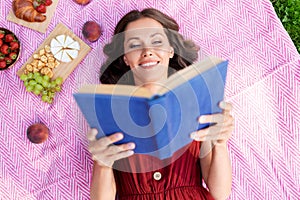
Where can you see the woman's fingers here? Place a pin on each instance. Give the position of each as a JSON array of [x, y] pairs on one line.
[[227, 107], [222, 128], [104, 142], [104, 151], [91, 134], [212, 133], [123, 154]]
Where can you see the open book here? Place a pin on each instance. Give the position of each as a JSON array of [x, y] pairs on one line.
[[159, 124]]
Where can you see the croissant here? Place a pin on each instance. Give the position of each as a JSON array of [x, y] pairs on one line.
[[24, 9]]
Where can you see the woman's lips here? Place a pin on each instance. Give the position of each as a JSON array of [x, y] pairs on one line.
[[148, 65]]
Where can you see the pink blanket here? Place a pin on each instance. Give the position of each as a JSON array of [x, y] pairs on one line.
[[263, 84]]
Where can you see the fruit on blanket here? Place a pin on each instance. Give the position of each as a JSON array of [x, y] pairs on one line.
[[82, 2], [9, 38], [4, 49], [2, 64], [91, 31], [37, 133]]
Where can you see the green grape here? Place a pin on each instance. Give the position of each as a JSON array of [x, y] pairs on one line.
[[45, 83], [23, 77], [50, 100], [39, 79], [45, 92], [37, 92], [46, 78], [45, 98], [36, 74], [58, 88], [52, 84], [26, 83], [30, 75], [29, 88], [32, 82], [38, 87], [51, 94], [59, 80]]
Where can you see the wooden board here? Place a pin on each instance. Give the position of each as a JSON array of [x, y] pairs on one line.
[[64, 69], [38, 26]]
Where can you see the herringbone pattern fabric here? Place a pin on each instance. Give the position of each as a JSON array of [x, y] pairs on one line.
[[263, 84]]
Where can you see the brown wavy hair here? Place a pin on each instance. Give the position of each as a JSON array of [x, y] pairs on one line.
[[114, 70]]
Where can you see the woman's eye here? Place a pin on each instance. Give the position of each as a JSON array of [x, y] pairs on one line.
[[157, 42], [132, 46]]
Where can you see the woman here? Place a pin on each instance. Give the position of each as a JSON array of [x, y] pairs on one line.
[[152, 43]]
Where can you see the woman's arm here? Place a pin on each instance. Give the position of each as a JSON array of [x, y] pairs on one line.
[[103, 184], [214, 158], [104, 154], [216, 171]]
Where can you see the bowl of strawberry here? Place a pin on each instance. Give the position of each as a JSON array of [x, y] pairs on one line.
[[9, 48]]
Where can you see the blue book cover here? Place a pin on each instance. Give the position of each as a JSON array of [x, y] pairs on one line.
[[159, 124]]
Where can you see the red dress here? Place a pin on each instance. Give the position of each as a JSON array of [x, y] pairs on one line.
[[180, 180]]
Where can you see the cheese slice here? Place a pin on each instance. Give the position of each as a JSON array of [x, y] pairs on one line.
[[55, 50], [68, 41], [73, 53], [65, 57], [55, 43], [58, 55], [74, 45], [61, 39]]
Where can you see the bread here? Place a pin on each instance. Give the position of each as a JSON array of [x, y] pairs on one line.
[[24, 9]]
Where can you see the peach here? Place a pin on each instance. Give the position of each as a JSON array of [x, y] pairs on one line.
[[37, 133], [82, 2], [91, 31]]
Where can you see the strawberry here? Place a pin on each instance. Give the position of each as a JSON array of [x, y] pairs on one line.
[[8, 60], [41, 8], [2, 64], [47, 2], [2, 34], [1, 42], [4, 49], [14, 45], [13, 55], [9, 38]]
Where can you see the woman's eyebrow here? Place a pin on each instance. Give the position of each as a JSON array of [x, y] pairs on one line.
[[132, 38], [154, 34]]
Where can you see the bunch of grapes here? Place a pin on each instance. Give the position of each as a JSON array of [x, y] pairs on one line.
[[42, 85]]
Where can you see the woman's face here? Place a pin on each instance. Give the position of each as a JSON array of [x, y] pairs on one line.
[[147, 51]]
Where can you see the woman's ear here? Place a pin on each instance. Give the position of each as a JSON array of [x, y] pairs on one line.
[[171, 52], [125, 60]]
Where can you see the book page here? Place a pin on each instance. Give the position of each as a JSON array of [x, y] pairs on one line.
[[189, 73], [110, 89]]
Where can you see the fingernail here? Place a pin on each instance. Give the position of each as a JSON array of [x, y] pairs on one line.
[[222, 104], [119, 136], [131, 145], [131, 153], [201, 119]]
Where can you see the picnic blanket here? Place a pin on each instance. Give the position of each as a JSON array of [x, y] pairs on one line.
[[263, 84]]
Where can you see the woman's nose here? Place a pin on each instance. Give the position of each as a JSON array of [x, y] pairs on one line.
[[147, 52]]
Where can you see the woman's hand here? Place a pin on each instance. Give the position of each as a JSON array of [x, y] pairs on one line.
[[104, 152], [221, 130]]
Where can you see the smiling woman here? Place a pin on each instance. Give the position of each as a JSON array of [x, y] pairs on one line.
[[146, 48]]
